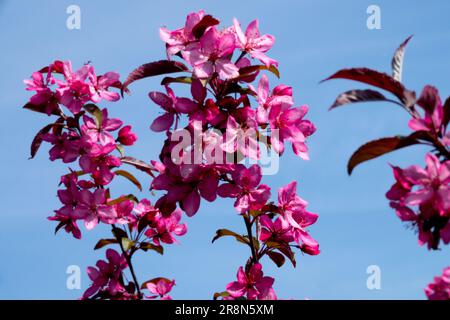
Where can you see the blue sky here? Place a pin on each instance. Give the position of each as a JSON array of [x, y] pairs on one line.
[[356, 227]]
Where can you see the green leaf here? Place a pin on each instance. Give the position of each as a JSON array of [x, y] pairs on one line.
[[104, 242], [96, 112], [127, 244], [145, 246], [225, 232], [168, 80], [130, 177], [123, 198], [121, 150], [221, 294]]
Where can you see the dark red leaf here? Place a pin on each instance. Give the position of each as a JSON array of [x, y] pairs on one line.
[[379, 80], [276, 257], [138, 164], [130, 177], [200, 28], [104, 242], [376, 148], [225, 232], [397, 60], [252, 70], [429, 98], [39, 108], [153, 69], [446, 112], [354, 96], [37, 141], [145, 246]]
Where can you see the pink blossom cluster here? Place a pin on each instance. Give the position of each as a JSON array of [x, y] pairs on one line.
[[428, 190], [422, 196], [86, 135], [223, 64], [225, 117], [432, 118], [209, 51], [439, 289]]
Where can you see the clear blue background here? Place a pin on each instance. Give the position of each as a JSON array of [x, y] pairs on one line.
[[356, 227]]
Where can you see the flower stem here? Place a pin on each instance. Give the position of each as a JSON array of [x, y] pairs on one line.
[[130, 264], [250, 237]]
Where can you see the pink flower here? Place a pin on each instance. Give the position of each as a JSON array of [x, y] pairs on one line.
[[100, 166], [178, 39], [245, 187], [242, 139], [44, 96], [276, 231], [65, 146], [253, 284], [172, 106], [280, 94], [293, 209], [106, 276], [287, 123], [99, 132], [439, 289], [74, 92], [92, 207], [124, 212], [160, 287], [166, 228], [67, 215], [253, 43], [428, 189], [126, 136], [431, 103], [100, 85], [433, 183], [211, 55]]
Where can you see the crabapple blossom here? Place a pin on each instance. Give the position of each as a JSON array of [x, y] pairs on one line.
[[246, 188], [439, 289], [429, 190], [126, 136], [160, 288], [106, 277], [252, 284], [253, 43], [86, 133], [224, 119]]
